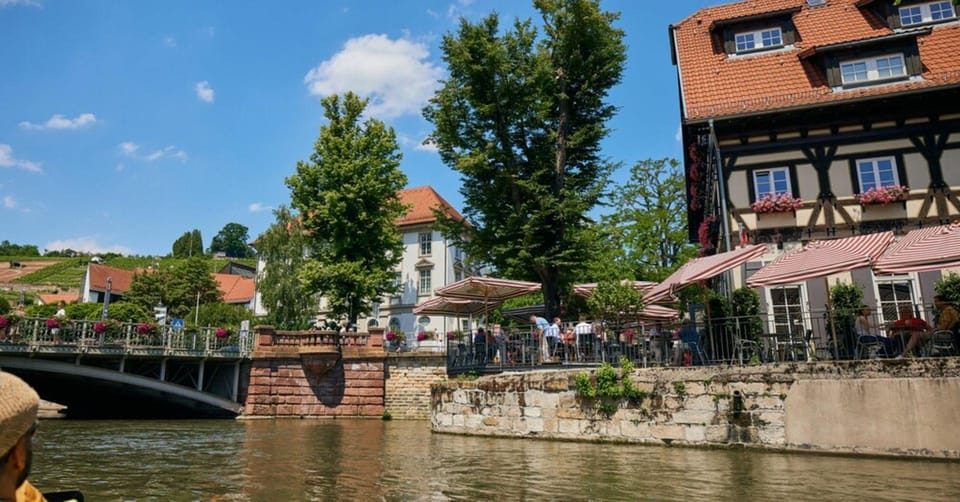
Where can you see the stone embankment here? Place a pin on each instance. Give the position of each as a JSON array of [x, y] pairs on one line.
[[901, 408]]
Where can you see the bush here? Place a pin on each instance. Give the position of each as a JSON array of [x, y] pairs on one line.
[[47, 310], [846, 299], [84, 311], [745, 307], [4, 306], [128, 312], [949, 288], [221, 314]]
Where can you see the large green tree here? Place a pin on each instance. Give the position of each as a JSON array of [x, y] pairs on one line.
[[347, 196], [647, 224], [232, 240], [187, 245], [282, 248], [521, 118]]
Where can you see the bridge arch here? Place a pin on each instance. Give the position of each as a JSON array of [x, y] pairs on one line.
[[93, 392]]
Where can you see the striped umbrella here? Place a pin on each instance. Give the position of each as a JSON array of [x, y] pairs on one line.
[[703, 268], [922, 250], [487, 289], [586, 290], [822, 258], [450, 307]]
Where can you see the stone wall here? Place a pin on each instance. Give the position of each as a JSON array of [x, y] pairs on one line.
[[408, 380], [885, 407]]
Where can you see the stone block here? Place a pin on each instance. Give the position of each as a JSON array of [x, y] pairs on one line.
[[490, 421], [771, 436], [533, 424], [769, 419], [531, 411], [700, 402], [568, 426], [695, 417], [696, 433], [668, 431], [635, 429], [716, 433]]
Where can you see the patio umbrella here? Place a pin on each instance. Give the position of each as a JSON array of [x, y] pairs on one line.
[[649, 313], [823, 258], [820, 259], [488, 290], [923, 250], [449, 306], [586, 290], [699, 269]]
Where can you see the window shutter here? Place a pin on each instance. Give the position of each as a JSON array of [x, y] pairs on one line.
[[789, 33], [893, 16], [833, 71], [911, 58], [729, 43]]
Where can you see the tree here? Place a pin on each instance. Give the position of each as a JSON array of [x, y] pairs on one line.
[[9, 249], [282, 248], [189, 244], [521, 119], [648, 224], [615, 303], [178, 288], [347, 195], [232, 241]]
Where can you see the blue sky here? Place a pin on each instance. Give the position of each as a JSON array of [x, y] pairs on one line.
[[124, 124]]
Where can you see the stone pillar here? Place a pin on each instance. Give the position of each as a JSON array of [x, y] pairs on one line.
[[264, 336], [375, 338]]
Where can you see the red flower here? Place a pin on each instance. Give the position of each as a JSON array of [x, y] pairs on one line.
[[4, 322], [52, 323], [883, 195], [776, 204], [421, 336], [390, 336], [145, 328], [99, 328], [222, 332]]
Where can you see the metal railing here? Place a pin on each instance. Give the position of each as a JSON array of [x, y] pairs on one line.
[[69, 336]]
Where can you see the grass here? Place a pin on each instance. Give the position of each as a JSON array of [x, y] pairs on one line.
[[66, 274]]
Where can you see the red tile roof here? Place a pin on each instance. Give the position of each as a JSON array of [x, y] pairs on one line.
[[236, 288], [715, 85], [53, 299], [119, 278], [422, 200]]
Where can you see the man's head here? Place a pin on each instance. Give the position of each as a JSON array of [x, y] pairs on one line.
[[18, 418], [939, 301], [906, 312], [533, 319], [556, 320]]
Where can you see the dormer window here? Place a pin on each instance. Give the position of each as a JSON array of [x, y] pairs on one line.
[[872, 69], [926, 13], [758, 40]]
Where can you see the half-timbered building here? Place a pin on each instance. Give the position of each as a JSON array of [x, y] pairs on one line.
[[818, 119]]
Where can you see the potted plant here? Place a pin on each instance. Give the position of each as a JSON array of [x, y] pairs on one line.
[[780, 203], [395, 339], [882, 195]]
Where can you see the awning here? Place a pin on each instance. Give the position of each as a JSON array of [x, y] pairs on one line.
[[822, 258], [487, 289], [451, 307], [649, 313], [699, 269], [586, 290], [922, 250]]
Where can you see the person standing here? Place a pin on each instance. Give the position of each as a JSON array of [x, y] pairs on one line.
[[552, 335], [18, 422], [584, 335], [540, 325]]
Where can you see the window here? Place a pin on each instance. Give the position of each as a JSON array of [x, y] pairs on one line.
[[458, 275], [894, 291], [771, 182], [424, 287], [878, 68], [877, 173], [787, 305], [761, 39], [926, 13], [426, 243]]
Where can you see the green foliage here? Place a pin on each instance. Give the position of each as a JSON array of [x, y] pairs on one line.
[[386, 415], [347, 196], [846, 299], [46, 310], [283, 250], [647, 223], [680, 388], [609, 387], [129, 312], [521, 118], [7, 248], [220, 314], [468, 376], [615, 302], [176, 287], [84, 311], [745, 308], [232, 241], [188, 245], [4, 306], [949, 287]]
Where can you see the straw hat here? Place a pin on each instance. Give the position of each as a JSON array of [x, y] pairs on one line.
[[18, 410]]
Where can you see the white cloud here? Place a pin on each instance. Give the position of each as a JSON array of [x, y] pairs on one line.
[[204, 91], [257, 207], [8, 160], [169, 41], [60, 122], [679, 135], [458, 9], [128, 147], [396, 75], [12, 3], [86, 244], [9, 203], [426, 146]]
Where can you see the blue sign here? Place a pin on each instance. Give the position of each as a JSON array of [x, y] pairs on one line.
[[177, 324]]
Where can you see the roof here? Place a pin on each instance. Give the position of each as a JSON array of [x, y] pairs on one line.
[[422, 201], [119, 278], [53, 299], [236, 288], [715, 85]]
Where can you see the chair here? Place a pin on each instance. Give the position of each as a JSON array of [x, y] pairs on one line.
[[869, 347], [746, 349], [941, 343]]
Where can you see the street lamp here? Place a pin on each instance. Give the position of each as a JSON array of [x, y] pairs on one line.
[[106, 299]]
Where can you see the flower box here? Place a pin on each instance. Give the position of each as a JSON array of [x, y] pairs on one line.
[[882, 196], [783, 203], [776, 220], [880, 212]]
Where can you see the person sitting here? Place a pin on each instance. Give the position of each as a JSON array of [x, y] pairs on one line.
[[689, 344], [480, 346], [903, 329], [868, 332], [19, 404], [946, 320]]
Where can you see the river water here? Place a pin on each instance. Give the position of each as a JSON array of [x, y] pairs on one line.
[[360, 460]]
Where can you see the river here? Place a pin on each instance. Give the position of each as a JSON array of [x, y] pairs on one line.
[[360, 460]]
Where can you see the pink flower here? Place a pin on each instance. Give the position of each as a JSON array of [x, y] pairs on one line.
[[883, 195], [52, 323], [770, 203], [421, 336], [145, 328], [99, 328], [390, 336], [222, 332]]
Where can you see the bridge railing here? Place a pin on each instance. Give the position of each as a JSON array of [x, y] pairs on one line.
[[39, 334]]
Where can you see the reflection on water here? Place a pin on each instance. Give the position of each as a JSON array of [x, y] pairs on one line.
[[266, 460]]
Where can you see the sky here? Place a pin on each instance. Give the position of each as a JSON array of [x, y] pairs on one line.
[[124, 124]]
